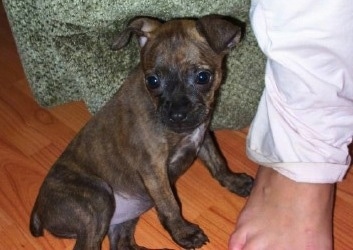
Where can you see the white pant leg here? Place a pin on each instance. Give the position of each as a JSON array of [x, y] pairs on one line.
[[304, 122]]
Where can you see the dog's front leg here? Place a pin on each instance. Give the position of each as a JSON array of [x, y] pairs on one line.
[[211, 156], [184, 233]]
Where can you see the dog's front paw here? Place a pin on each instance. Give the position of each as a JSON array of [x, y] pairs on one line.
[[238, 183], [190, 236]]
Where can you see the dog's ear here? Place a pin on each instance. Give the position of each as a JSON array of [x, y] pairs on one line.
[[221, 32], [141, 27]]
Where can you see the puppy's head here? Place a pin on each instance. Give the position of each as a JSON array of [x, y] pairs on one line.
[[182, 64]]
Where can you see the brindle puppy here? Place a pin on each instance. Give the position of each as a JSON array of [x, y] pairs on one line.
[[130, 154]]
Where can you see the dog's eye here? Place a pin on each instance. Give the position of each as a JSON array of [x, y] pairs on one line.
[[153, 82], [203, 77]]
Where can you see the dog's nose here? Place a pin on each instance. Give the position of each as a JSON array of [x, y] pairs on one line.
[[177, 116]]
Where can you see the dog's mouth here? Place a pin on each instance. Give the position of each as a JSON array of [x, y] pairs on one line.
[[184, 123], [181, 128]]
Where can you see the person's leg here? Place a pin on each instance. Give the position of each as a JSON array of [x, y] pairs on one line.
[[303, 124], [283, 214]]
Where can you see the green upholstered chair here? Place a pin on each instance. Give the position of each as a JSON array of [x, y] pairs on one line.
[[64, 47]]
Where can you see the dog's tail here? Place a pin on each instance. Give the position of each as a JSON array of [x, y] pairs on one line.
[[35, 225]]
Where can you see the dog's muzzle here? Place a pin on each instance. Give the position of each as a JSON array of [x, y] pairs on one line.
[[182, 116]]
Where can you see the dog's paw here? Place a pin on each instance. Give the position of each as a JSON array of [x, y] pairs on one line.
[[238, 183], [190, 236]]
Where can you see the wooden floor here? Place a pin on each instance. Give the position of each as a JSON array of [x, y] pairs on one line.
[[31, 138]]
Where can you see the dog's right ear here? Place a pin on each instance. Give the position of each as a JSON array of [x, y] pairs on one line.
[[142, 27]]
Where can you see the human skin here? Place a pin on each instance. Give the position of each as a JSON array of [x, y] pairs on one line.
[[284, 214]]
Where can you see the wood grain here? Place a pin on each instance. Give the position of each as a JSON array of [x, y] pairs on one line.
[[31, 138]]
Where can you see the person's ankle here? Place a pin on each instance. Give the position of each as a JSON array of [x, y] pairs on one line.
[[278, 205]]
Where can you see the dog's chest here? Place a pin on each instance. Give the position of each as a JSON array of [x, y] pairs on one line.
[[190, 144]]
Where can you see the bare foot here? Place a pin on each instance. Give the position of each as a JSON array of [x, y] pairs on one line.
[[285, 215]]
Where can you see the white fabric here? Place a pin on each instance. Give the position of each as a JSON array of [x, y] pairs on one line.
[[304, 121]]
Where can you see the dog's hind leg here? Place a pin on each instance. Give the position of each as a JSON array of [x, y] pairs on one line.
[[92, 234], [74, 205], [121, 236]]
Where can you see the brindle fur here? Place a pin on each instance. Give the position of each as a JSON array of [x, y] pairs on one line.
[[133, 150]]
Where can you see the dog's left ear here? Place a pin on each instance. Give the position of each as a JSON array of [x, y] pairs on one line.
[[142, 27], [221, 32]]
